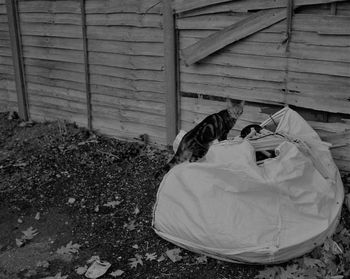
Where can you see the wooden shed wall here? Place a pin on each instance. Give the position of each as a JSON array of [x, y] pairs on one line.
[[8, 97], [313, 75]]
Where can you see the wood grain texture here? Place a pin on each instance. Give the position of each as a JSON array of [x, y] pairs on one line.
[[231, 34], [123, 6], [182, 6], [50, 7]]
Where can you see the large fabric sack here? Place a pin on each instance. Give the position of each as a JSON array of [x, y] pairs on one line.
[[230, 208]]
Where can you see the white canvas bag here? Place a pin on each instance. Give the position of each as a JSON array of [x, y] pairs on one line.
[[228, 207]]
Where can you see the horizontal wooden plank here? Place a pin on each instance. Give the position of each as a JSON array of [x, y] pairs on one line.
[[126, 61], [5, 52], [323, 24], [57, 65], [231, 81], [119, 103], [53, 42], [50, 18], [4, 35], [181, 6], [129, 48], [54, 82], [6, 69], [249, 5], [319, 67], [319, 102], [57, 103], [3, 9], [128, 131], [124, 115], [132, 74], [4, 60], [49, 7], [227, 69], [54, 54], [3, 18], [7, 77], [249, 94], [56, 92], [152, 86], [188, 37], [125, 33], [301, 64], [127, 94], [4, 27], [7, 84], [44, 113], [55, 74], [123, 6], [51, 30], [8, 96], [125, 19], [4, 43]]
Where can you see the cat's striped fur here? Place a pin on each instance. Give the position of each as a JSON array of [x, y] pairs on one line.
[[195, 143]]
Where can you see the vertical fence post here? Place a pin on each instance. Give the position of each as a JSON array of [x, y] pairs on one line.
[[86, 65], [16, 46], [170, 71]]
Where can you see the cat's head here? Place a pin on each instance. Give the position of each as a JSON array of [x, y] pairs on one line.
[[235, 110]]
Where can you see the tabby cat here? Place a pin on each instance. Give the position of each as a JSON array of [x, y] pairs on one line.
[[195, 143]]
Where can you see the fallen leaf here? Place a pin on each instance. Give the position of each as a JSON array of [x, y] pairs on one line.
[[268, 273], [97, 208], [135, 261], [44, 264], [174, 254], [29, 233], [20, 221], [112, 204], [117, 273], [291, 272], [161, 258], [71, 200], [311, 262], [20, 242], [97, 269], [137, 210], [81, 269], [57, 276], [70, 248], [131, 226], [37, 216], [151, 256], [135, 246], [30, 273], [93, 259], [202, 259]]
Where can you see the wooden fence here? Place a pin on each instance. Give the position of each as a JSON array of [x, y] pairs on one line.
[[131, 67], [97, 63]]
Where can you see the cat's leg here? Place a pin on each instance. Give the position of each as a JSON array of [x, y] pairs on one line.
[[223, 136]]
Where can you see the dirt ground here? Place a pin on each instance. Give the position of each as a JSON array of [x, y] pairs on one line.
[[93, 196], [95, 191]]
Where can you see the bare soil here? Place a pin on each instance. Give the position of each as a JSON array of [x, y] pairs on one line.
[[69, 176]]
